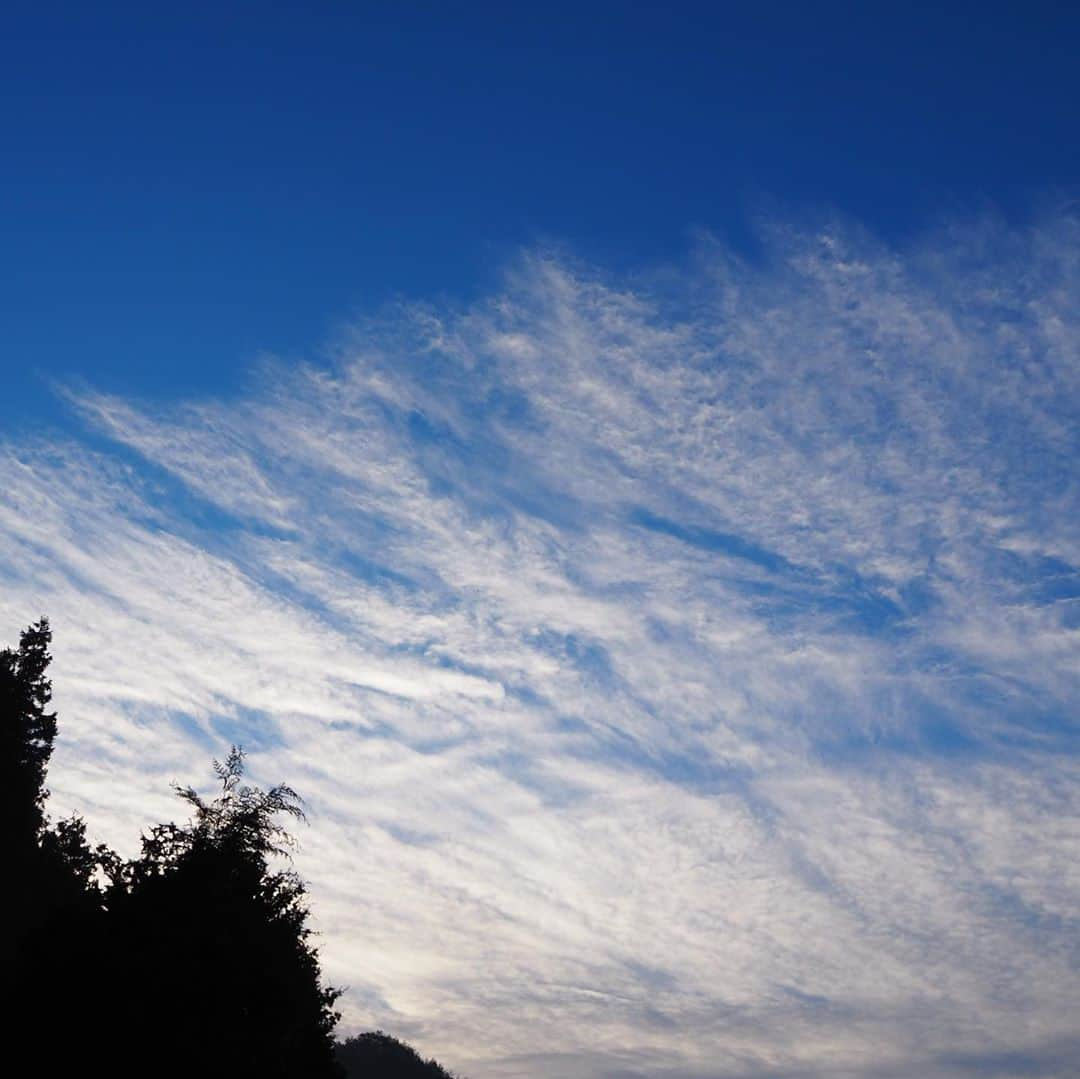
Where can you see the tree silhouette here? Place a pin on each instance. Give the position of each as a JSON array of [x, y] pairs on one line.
[[194, 958], [53, 902], [27, 732], [217, 943]]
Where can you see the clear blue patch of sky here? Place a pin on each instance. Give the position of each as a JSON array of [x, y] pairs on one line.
[[255, 730], [483, 471], [791, 590], [1026, 725], [707, 539], [183, 188], [589, 657]]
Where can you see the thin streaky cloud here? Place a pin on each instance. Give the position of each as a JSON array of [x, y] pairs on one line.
[[681, 673]]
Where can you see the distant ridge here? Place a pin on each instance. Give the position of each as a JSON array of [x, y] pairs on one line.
[[376, 1055]]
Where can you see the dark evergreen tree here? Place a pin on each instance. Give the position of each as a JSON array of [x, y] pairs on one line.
[[53, 899], [27, 731]]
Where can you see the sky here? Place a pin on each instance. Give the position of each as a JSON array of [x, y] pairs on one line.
[[617, 464]]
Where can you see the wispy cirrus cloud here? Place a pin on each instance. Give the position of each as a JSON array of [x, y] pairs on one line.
[[681, 672]]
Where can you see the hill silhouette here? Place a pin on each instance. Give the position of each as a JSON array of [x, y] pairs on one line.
[[377, 1054]]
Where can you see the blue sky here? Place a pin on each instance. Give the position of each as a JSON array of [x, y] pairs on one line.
[[619, 465], [183, 190]]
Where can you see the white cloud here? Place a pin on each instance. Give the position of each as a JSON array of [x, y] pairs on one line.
[[682, 680]]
